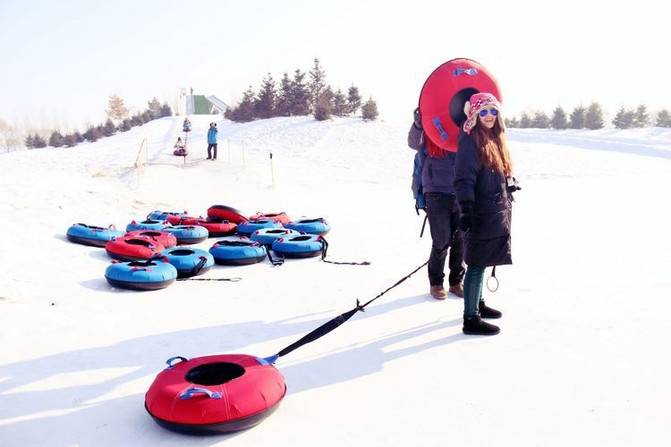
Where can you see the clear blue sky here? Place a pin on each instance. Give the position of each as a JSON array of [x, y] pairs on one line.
[[62, 60]]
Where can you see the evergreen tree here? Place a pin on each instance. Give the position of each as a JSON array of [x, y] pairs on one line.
[[79, 138], [245, 110], [577, 119], [109, 128], [147, 116], [339, 103], [125, 125], [92, 134], [618, 120], [300, 95], [284, 96], [165, 110], [117, 110], [39, 142], [317, 82], [56, 139], [267, 98], [594, 117], [154, 108], [559, 120], [540, 120], [70, 140], [511, 122], [369, 110], [641, 118], [353, 100], [323, 108], [663, 119], [525, 121], [29, 142], [136, 120]]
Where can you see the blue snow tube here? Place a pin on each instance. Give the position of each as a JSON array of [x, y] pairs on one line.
[[310, 226], [148, 224], [163, 215], [189, 261], [152, 274], [247, 228], [188, 234], [301, 246], [240, 251], [266, 236], [89, 235]]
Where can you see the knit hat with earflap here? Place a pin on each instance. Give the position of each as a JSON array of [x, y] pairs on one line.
[[478, 102]]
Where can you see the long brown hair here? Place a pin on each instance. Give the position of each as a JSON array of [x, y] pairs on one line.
[[493, 148]]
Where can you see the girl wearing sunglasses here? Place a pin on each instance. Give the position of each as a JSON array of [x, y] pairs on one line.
[[483, 166]]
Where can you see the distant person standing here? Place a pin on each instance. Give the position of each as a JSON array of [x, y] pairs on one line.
[[212, 141], [186, 125]]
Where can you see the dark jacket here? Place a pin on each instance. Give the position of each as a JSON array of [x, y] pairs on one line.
[[437, 172], [487, 243]]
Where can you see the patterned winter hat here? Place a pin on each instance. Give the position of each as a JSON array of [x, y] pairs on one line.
[[478, 102]]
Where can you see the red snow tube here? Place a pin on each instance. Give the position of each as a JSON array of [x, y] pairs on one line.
[[216, 229], [223, 212], [133, 248], [277, 217], [214, 394], [166, 239], [442, 99]]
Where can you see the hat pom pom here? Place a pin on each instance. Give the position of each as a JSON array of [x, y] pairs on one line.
[[467, 107]]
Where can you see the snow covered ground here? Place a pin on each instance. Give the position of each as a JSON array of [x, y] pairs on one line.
[[582, 358]]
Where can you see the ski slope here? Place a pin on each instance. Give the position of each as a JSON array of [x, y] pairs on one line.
[[581, 355]]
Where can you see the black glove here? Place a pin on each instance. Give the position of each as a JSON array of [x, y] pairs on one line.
[[466, 216]]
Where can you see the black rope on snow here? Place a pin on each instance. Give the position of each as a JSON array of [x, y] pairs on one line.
[[274, 261], [340, 319], [325, 247]]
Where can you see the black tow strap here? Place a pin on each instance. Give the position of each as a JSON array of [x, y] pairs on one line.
[[325, 247], [340, 319], [276, 261], [234, 279], [426, 217]]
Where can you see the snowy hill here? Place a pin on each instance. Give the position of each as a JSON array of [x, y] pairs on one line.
[[580, 359]]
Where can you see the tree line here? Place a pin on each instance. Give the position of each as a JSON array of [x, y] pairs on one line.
[[118, 120], [298, 96], [591, 117]]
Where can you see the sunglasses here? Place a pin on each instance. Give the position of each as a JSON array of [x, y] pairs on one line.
[[485, 112]]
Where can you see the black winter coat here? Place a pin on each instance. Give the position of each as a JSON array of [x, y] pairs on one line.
[[488, 241]]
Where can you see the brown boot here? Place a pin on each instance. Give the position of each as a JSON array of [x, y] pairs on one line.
[[457, 290], [438, 292]]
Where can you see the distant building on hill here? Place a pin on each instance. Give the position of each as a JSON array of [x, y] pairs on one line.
[[191, 104]]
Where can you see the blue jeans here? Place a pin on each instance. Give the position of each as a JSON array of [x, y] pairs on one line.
[[473, 290]]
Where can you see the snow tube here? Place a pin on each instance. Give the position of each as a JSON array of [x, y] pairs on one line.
[[153, 274], [133, 248], [180, 152], [223, 212], [166, 239], [214, 394], [189, 261], [310, 226], [277, 217], [146, 225], [442, 99], [89, 235], [164, 215], [187, 234], [266, 236], [301, 246], [241, 251], [250, 226], [215, 229]]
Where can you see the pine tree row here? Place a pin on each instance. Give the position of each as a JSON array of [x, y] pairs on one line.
[[297, 96], [591, 117], [116, 112]]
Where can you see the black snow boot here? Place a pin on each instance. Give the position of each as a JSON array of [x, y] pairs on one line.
[[475, 326], [488, 312]]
